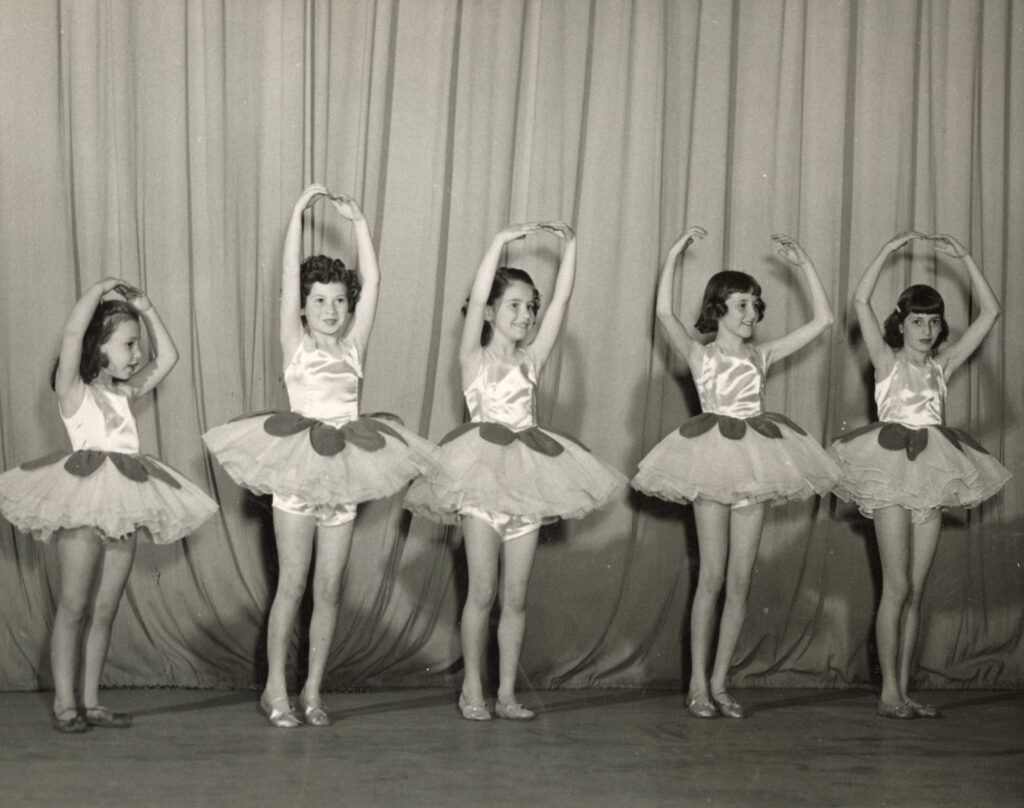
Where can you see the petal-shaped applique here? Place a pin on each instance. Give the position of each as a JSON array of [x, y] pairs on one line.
[[381, 426], [325, 439], [918, 443], [765, 427], [363, 432], [698, 425], [284, 424], [459, 431], [40, 462], [158, 472], [568, 437], [778, 417], [958, 436], [496, 433], [129, 466], [731, 428], [893, 437], [539, 442], [856, 433], [84, 462]]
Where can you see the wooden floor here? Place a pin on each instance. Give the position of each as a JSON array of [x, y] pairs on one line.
[[586, 748]]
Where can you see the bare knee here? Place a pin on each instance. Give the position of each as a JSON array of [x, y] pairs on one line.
[[290, 587], [481, 594], [896, 589], [709, 584], [73, 610], [513, 601], [327, 593]]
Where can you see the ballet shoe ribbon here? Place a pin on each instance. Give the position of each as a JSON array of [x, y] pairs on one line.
[[83, 462], [735, 428], [366, 432]]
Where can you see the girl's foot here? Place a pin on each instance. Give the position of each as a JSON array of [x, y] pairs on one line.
[[728, 706], [314, 713], [923, 710], [100, 716], [473, 711], [700, 706], [279, 711], [900, 710], [512, 710], [68, 721]]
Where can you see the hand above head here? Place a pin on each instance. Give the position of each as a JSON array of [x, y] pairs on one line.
[[789, 249], [689, 235], [311, 195], [558, 228], [949, 245], [903, 238], [514, 232], [346, 206], [135, 296]]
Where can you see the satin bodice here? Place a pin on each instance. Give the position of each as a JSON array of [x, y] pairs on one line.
[[912, 395], [323, 386], [103, 421], [503, 392], [730, 385]]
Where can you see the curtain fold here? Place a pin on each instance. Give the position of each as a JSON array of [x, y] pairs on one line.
[[164, 141]]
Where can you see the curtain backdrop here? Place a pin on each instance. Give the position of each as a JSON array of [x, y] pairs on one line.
[[165, 141]]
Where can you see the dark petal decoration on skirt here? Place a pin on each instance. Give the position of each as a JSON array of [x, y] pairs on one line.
[[856, 433], [325, 439], [459, 431], [285, 424], [387, 416], [155, 470], [566, 436], [129, 466], [84, 462], [384, 428], [535, 439], [958, 436], [41, 462], [496, 433], [364, 434], [698, 425], [765, 427], [895, 437], [778, 417], [731, 428]]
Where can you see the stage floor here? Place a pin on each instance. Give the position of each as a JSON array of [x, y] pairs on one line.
[[586, 748]]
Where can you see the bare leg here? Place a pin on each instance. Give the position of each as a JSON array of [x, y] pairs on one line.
[[744, 539], [713, 541], [518, 564], [78, 554], [892, 529], [332, 549], [482, 552], [923, 545], [115, 565], [294, 537]]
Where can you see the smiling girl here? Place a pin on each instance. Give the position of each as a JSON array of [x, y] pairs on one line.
[[733, 458]]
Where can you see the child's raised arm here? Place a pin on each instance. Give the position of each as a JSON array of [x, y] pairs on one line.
[[881, 355], [369, 272], [684, 338], [821, 311], [469, 345], [290, 325], [165, 353], [68, 382], [958, 352], [551, 323]]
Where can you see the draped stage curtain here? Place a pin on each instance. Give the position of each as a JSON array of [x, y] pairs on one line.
[[165, 141]]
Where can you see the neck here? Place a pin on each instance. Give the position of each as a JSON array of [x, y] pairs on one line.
[[915, 356], [504, 348], [729, 341]]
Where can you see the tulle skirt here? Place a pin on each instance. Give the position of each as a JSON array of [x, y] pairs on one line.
[[538, 474], [886, 464], [766, 458], [112, 492], [288, 454]]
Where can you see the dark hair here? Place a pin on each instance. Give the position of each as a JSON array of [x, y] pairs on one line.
[[324, 269], [917, 299], [108, 316], [503, 278], [720, 286]]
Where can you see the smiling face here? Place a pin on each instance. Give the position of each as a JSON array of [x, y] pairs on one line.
[[920, 331], [327, 310], [514, 313], [740, 315], [121, 353]]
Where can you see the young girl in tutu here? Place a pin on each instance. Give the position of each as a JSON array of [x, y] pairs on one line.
[[99, 499], [501, 474], [733, 458], [321, 459], [902, 470]]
